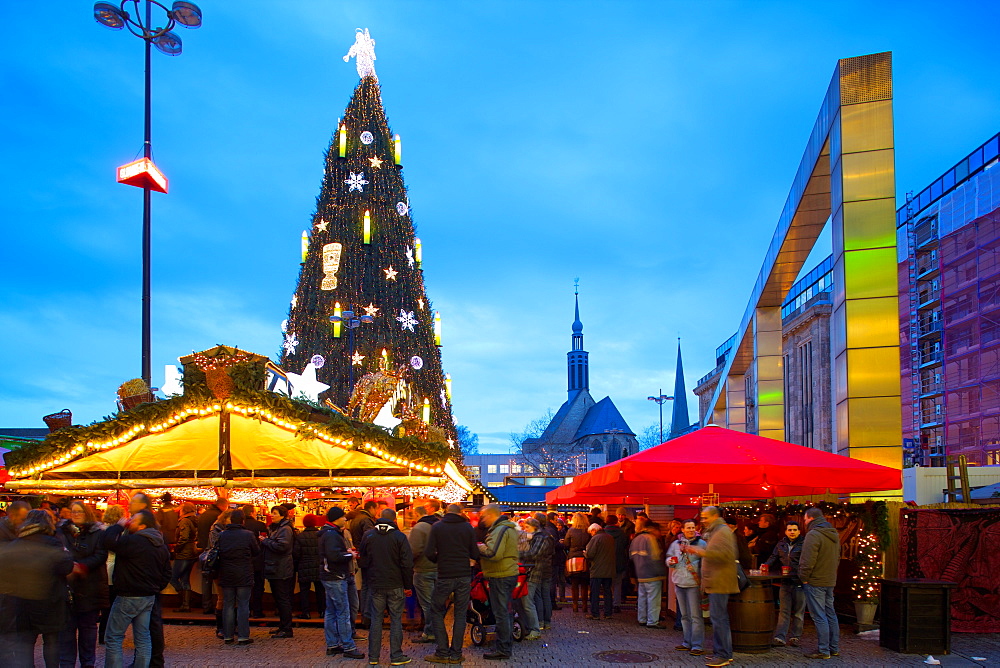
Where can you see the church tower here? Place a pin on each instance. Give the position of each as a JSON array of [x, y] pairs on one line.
[[680, 421], [578, 364]]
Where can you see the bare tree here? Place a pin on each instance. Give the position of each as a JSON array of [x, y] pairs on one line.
[[547, 459], [650, 437]]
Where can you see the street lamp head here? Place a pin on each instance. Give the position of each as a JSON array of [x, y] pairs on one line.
[[168, 43], [186, 14], [110, 16], [652, 398]]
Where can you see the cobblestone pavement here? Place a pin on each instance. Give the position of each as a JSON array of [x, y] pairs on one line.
[[573, 641]]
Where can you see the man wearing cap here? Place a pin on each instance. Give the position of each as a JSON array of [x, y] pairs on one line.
[[335, 574]]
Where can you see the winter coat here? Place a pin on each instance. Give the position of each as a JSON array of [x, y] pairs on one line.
[[237, 549], [621, 547], [168, 519], [576, 540], [35, 567], [680, 573], [820, 555], [627, 526], [451, 544], [499, 551], [600, 553], [419, 534], [718, 564], [305, 552], [187, 538], [647, 557], [386, 557], [86, 546], [360, 525], [763, 543], [142, 560], [335, 556], [539, 556], [278, 561], [787, 553], [205, 522], [558, 562]]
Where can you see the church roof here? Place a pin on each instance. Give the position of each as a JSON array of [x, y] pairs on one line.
[[602, 418], [570, 414]]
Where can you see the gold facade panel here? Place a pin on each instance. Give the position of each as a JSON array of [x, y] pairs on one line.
[[869, 175], [875, 422], [771, 391], [870, 273], [868, 224], [873, 372], [865, 78], [840, 377], [866, 127], [873, 323], [843, 432], [890, 456], [771, 419], [838, 330]]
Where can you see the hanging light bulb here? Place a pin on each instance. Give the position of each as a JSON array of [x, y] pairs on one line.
[[336, 323], [419, 248], [397, 146], [343, 140], [305, 245], [437, 328], [427, 411], [367, 227]]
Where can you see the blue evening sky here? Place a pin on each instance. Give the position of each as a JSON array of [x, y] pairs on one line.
[[646, 147]]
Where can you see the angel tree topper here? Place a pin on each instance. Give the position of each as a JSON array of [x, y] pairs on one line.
[[363, 50]]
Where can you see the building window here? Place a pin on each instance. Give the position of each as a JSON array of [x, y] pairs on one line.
[[473, 471], [494, 484], [491, 468], [807, 415], [504, 469], [515, 469], [993, 458]]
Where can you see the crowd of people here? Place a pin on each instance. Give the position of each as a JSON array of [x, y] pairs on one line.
[[77, 581]]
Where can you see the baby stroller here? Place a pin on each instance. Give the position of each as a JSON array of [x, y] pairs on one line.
[[480, 617]]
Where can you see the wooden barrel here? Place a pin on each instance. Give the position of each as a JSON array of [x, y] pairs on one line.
[[752, 617]]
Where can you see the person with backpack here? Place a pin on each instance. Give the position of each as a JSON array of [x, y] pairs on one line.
[[142, 570], [337, 575]]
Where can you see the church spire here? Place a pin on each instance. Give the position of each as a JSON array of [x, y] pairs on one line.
[[680, 420], [578, 365]]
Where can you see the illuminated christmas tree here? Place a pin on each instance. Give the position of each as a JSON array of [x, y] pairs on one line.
[[362, 256], [866, 584]]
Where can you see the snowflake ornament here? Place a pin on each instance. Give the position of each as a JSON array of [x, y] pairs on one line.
[[291, 343], [295, 301], [406, 319], [356, 182], [401, 208], [409, 257], [367, 137]]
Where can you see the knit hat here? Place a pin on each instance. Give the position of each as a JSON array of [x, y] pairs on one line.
[[333, 514], [310, 521]]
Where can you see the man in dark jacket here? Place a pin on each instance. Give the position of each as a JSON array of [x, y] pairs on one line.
[[621, 558], [600, 553], [362, 523], [786, 554], [388, 560], [452, 546], [142, 569], [205, 522], [818, 572], [258, 529], [336, 558], [279, 568], [234, 570]]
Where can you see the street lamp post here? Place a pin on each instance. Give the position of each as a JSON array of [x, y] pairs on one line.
[[352, 322], [661, 399], [146, 176]]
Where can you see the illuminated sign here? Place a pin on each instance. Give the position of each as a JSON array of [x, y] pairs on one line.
[[143, 174]]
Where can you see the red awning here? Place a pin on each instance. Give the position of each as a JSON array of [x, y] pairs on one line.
[[738, 466]]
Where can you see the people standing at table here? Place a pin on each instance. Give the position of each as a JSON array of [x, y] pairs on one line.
[[575, 541], [650, 567], [386, 556], [237, 548], [499, 563], [337, 576], [258, 529], [205, 522], [279, 568], [685, 574], [142, 570], [792, 598], [818, 572], [451, 545], [83, 536], [718, 577], [424, 570], [305, 552], [362, 523], [600, 553], [185, 555]]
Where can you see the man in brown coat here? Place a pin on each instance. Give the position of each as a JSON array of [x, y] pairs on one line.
[[718, 579]]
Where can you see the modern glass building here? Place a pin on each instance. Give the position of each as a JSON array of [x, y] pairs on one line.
[[948, 240]]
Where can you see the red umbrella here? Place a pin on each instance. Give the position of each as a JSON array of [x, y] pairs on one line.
[[568, 494], [736, 465]]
